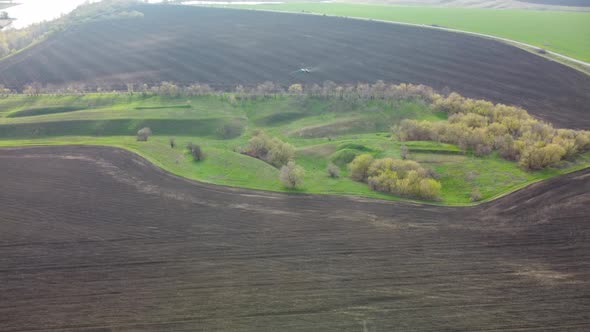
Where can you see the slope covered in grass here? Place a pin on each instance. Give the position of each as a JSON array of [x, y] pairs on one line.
[[313, 125]]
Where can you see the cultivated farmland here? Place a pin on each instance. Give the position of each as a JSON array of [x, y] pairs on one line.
[[110, 231], [96, 238], [169, 43], [565, 32]]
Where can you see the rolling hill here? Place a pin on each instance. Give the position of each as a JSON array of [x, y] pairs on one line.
[[225, 47]]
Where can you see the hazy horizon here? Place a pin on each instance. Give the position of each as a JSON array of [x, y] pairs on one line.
[[35, 11]]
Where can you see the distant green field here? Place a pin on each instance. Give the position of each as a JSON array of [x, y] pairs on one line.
[[567, 33], [321, 130]]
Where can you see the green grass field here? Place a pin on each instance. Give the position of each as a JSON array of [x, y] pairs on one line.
[[322, 131], [567, 33]]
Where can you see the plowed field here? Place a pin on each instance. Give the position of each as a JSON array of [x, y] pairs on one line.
[[98, 239]]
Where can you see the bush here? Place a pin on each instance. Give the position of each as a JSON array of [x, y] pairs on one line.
[[359, 167], [428, 189], [292, 175], [404, 152], [227, 131], [272, 150], [344, 156], [538, 158], [476, 195], [143, 134], [195, 151], [333, 170], [259, 145], [402, 177], [280, 153]]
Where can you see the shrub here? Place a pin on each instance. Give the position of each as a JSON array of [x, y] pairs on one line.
[[272, 150], [229, 130], [404, 152], [402, 177], [482, 150], [259, 145], [143, 134], [344, 156], [280, 153], [333, 170], [197, 153], [475, 195], [360, 166], [412, 130], [428, 189], [540, 157], [507, 148], [292, 175], [296, 88]]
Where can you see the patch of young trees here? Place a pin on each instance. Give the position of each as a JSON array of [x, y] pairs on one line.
[[270, 149], [482, 127], [400, 177]]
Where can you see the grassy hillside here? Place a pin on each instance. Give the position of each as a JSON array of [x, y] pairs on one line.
[[322, 131], [563, 32]]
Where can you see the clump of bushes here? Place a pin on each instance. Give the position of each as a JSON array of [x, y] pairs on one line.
[[229, 130], [483, 127], [400, 177], [344, 156], [195, 151], [270, 149], [143, 134], [359, 167], [292, 175]]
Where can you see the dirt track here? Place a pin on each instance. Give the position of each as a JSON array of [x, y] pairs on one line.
[[97, 239], [226, 47]]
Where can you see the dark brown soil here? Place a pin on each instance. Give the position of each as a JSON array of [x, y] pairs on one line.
[[225, 47], [98, 239]]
